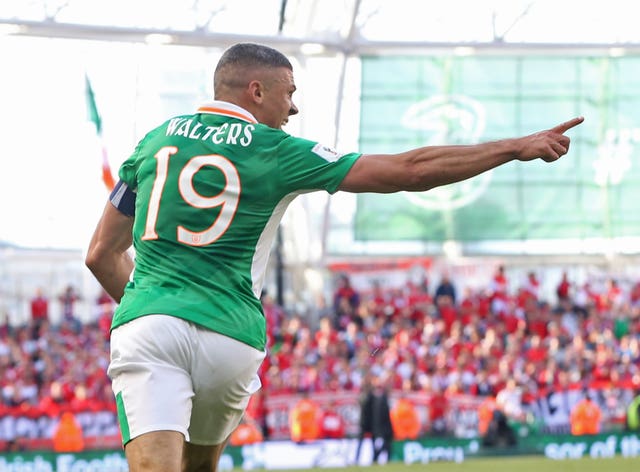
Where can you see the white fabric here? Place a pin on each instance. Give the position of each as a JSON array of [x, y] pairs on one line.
[[173, 375]]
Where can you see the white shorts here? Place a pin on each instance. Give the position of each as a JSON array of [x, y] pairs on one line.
[[170, 374]]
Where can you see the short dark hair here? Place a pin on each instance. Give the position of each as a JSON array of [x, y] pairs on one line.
[[251, 54], [247, 55]]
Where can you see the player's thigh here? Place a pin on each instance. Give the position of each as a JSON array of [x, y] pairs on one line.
[[150, 372], [225, 375]]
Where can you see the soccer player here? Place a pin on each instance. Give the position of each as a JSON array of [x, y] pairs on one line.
[[200, 198]]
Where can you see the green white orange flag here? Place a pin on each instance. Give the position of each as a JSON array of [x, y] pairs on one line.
[[94, 116]]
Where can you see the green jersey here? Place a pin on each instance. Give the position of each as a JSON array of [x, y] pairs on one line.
[[211, 189]]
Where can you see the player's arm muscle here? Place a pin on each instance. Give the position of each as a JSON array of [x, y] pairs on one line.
[[425, 168], [428, 167], [107, 256]]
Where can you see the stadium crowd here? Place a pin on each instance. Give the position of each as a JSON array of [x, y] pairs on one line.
[[418, 338], [473, 344], [46, 369]]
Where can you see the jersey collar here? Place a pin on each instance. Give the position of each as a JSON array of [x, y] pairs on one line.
[[218, 107]]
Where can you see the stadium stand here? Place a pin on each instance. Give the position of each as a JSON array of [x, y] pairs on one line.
[[586, 339]]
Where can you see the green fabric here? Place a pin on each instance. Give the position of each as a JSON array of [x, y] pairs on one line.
[[92, 108], [211, 190], [122, 419], [621, 327]]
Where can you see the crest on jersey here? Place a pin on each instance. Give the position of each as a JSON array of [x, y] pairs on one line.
[[326, 152]]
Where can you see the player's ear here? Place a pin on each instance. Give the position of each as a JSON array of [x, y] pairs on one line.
[[256, 91]]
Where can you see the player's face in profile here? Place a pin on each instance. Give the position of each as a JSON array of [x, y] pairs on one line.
[[278, 98]]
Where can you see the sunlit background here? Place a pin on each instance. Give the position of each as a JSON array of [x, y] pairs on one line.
[[148, 60], [82, 81], [50, 188]]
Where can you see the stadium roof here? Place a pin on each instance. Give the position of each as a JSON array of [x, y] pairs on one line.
[[346, 26]]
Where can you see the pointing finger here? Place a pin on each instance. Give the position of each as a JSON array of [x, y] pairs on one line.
[[567, 125]]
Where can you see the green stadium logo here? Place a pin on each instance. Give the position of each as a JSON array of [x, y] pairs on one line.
[[448, 119]]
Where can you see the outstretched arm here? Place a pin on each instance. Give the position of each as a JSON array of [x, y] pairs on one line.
[[428, 167], [107, 256]]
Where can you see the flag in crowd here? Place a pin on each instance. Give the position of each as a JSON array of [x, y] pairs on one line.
[[94, 116]]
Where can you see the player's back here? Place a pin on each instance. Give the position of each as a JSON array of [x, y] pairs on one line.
[[211, 189], [206, 190]]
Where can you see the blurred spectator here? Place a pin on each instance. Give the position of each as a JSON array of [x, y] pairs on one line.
[[274, 317], [325, 332], [375, 420], [499, 431], [54, 400], [418, 294], [536, 351], [104, 309], [498, 290], [68, 435], [569, 318], [304, 420], [509, 401], [500, 415], [345, 301], [532, 286], [483, 384], [365, 429], [441, 349], [257, 411], [39, 309], [404, 419], [585, 416], [247, 432], [633, 413], [332, 425], [634, 295], [104, 302], [353, 339], [446, 287], [563, 289], [583, 299], [486, 410], [446, 311], [68, 301], [613, 296]]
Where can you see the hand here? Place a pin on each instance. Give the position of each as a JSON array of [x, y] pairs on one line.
[[548, 145]]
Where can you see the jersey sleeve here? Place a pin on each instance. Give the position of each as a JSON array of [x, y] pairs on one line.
[[129, 169], [308, 165]]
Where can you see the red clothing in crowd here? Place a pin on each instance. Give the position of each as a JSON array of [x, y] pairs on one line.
[[438, 408], [536, 354], [512, 322], [532, 286], [564, 288], [499, 285], [538, 324], [39, 308], [331, 424]]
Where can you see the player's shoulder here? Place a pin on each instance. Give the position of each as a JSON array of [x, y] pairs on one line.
[[267, 132], [167, 127], [275, 140]]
